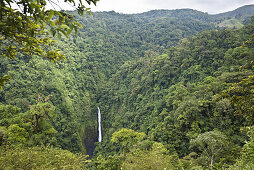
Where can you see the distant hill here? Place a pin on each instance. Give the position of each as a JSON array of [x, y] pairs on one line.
[[130, 35], [236, 17], [178, 13], [239, 13]]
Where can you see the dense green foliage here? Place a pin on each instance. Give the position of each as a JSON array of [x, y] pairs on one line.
[[175, 91], [24, 23], [40, 158]]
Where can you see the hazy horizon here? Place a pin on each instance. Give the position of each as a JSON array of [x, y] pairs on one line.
[[173, 9], [140, 6]]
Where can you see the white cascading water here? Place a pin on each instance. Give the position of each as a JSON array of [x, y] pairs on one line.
[[99, 125]]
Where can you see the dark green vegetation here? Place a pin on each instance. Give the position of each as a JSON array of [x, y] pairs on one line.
[[175, 91]]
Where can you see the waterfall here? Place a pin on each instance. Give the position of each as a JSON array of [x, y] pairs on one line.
[[99, 125]]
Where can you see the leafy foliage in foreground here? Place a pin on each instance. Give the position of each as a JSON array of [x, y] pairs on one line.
[[27, 27], [40, 158], [24, 24]]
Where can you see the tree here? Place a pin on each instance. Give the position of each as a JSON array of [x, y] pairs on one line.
[[16, 135], [127, 138], [41, 158], [211, 143], [26, 25], [42, 110], [32, 128], [40, 117], [241, 95], [23, 28], [155, 158], [246, 161]]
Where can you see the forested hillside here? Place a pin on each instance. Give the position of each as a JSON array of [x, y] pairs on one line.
[[175, 89]]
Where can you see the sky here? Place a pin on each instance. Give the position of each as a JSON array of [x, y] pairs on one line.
[[139, 6]]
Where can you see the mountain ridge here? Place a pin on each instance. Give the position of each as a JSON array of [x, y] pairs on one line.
[[240, 16], [241, 9]]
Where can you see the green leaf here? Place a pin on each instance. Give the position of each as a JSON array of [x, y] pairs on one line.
[[64, 26], [51, 13], [3, 80]]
